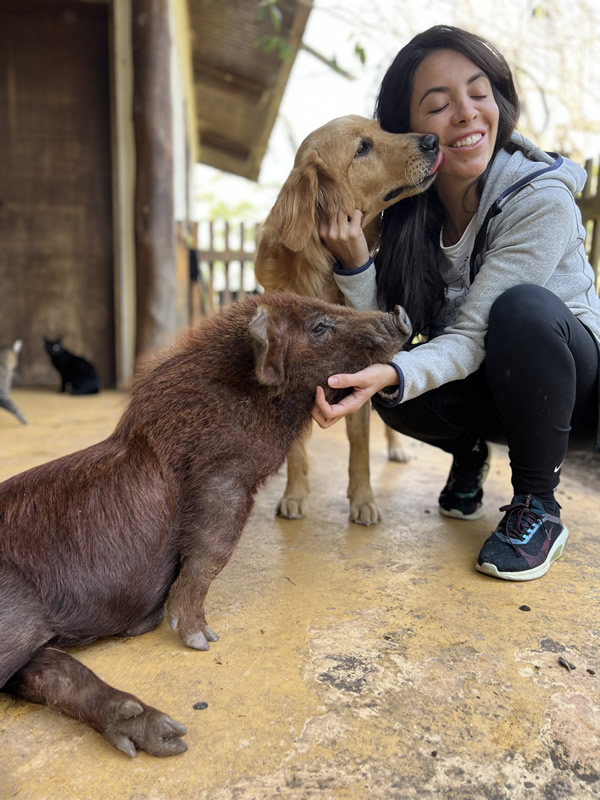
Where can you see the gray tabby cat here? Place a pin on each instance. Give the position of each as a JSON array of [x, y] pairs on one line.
[[8, 363]]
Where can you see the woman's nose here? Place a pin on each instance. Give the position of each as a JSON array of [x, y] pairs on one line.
[[465, 113]]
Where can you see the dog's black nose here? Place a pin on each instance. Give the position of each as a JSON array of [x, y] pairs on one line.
[[429, 142]]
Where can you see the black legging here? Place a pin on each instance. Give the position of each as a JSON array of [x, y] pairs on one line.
[[537, 391]]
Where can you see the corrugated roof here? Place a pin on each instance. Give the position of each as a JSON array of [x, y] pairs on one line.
[[238, 85]]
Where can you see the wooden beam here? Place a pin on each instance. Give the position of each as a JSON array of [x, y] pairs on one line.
[[123, 161], [154, 194]]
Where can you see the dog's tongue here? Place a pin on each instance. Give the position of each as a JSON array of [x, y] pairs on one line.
[[441, 157]]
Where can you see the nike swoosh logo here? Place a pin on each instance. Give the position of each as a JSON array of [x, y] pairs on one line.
[[559, 466]]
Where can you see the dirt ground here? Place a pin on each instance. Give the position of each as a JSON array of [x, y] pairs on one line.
[[584, 467]]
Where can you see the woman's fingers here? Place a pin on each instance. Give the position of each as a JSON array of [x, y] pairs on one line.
[[344, 237], [364, 385], [326, 414]]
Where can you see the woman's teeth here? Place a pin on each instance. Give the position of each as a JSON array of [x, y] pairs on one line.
[[468, 141]]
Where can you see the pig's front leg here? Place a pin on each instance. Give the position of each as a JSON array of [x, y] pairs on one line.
[[186, 601], [205, 552]]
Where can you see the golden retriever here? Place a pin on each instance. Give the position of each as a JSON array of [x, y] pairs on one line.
[[347, 163]]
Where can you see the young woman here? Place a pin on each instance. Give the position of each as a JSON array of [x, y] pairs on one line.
[[491, 267]]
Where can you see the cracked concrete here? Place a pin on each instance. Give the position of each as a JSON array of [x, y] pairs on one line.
[[354, 663]]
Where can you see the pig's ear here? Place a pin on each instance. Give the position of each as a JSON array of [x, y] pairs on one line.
[[268, 350]]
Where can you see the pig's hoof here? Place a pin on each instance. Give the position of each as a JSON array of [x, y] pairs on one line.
[[364, 513], [200, 640], [292, 507], [140, 727]]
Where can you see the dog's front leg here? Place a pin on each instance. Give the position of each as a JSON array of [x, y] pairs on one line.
[[363, 509], [293, 504]]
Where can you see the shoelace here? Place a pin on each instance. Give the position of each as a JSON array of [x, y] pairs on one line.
[[519, 518]]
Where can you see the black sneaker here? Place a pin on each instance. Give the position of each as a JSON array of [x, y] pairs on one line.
[[525, 543], [462, 495]]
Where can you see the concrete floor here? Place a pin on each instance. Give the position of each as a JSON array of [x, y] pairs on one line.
[[354, 663]]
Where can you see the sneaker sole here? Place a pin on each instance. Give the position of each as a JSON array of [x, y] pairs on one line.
[[454, 513], [528, 574]]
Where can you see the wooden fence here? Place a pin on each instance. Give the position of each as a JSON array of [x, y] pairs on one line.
[[224, 269], [589, 205], [224, 266]]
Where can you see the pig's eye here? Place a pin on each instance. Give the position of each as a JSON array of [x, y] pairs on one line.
[[321, 328]]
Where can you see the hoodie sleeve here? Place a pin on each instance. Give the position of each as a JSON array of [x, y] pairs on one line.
[[359, 286], [537, 229]]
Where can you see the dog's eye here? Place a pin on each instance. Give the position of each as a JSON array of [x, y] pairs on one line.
[[364, 147]]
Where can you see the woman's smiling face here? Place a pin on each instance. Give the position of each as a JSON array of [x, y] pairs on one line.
[[453, 98]]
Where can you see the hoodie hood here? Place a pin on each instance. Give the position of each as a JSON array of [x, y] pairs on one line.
[[509, 169]]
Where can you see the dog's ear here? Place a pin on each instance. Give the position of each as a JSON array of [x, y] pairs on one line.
[[312, 191], [293, 215], [268, 349], [334, 193]]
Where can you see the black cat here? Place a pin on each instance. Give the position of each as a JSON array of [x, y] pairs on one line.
[[75, 371]]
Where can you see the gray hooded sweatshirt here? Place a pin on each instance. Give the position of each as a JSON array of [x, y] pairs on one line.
[[530, 231]]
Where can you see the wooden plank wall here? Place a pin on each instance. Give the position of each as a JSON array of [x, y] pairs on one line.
[[56, 258]]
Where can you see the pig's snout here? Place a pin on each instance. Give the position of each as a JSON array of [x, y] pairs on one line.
[[402, 321]]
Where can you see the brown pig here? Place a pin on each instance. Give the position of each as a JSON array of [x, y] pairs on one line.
[[95, 543]]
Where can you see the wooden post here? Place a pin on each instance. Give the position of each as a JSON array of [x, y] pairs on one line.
[[154, 200]]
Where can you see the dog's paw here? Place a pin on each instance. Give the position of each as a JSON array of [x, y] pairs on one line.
[[396, 451], [364, 513], [398, 454], [134, 727], [292, 507]]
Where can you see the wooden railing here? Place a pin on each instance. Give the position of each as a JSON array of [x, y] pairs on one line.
[[589, 205], [225, 266], [225, 254]]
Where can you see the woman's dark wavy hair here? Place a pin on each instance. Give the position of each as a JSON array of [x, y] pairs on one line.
[[407, 271]]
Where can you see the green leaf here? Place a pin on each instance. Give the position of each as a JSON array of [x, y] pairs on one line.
[[276, 17]]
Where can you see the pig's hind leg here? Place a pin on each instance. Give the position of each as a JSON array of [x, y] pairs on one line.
[[54, 678]]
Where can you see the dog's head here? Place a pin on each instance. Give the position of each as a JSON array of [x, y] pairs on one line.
[[351, 163]]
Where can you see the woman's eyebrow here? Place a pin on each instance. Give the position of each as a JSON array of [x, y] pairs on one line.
[[446, 89]]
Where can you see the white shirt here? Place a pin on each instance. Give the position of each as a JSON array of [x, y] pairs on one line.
[[454, 269]]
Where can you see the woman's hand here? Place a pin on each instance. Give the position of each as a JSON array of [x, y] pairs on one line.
[[366, 383], [344, 237]]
